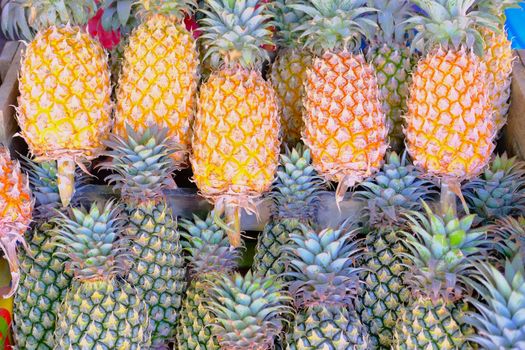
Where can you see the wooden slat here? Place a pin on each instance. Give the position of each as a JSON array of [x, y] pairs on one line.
[[7, 55], [186, 202], [514, 136], [8, 95]]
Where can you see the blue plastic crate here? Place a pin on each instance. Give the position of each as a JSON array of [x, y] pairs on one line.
[[516, 26]]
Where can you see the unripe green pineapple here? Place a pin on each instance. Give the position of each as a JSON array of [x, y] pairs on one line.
[[101, 310], [396, 187], [249, 311], [499, 191], [44, 280], [324, 284], [441, 251], [295, 195], [390, 55], [143, 165], [210, 256]]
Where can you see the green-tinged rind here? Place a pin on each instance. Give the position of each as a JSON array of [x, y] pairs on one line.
[[249, 311], [210, 256], [499, 191]]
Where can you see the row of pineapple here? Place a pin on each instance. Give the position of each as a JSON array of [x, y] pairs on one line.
[[401, 275]]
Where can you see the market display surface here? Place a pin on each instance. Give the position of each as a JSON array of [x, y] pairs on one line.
[[394, 105]]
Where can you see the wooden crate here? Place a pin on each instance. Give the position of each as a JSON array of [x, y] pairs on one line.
[[9, 65], [514, 132]]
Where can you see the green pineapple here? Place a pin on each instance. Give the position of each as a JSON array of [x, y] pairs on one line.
[[324, 284], [441, 252], [210, 256], [143, 165], [288, 71], [249, 311], [390, 55], [44, 280], [397, 187], [101, 310], [499, 191], [296, 201]]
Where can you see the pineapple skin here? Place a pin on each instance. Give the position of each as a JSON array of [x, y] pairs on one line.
[[112, 304], [442, 321], [65, 94], [345, 127], [393, 64], [498, 59], [322, 327], [449, 124], [236, 134], [157, 271], [43, 285], [158, 81], [195, 331], [288, 73]]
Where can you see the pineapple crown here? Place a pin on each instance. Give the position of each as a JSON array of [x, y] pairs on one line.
[[119, 15], [234, 32], [297, 186], [398, 186], [442, 249], [390, 19], [322, 266], [23, 18], [451, 24], [208, 246], [250, 311], [287, 19], [499, 321], [508, 235], [498, 7], [499, 191], [335, 24], [142, 164], [93, 241]]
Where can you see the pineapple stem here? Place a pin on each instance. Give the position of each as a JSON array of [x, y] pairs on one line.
[[447, 199], [232, 226], [66, 179]]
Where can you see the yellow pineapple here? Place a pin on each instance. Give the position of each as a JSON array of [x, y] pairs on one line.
[[159, 74], [236, 132], [64, 107], [288, 72], [498, 58], [345, 126], [16, 208], [449, 125]]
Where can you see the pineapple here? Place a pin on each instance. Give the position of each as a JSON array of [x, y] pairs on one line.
[[498, 59], [101, 310], [394, 189], [249, 311], [499, 191], [44, 280], [210, 256], [160, 72], [391, 57], [288, 71], [16, 210], [235, 135], [441, 251], [296, 202], [345, 126], [324, 284], [64, 107], [142, 166], [498, 319], [449, 125]]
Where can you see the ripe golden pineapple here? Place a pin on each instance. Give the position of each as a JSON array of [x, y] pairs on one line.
[[288, 72], [449, 124], [498, 59], [345, 126], [16, 208], [159, 78], [65, 91], [235, 140]]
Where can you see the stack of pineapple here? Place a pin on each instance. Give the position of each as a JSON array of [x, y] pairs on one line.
[[434, 259]]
